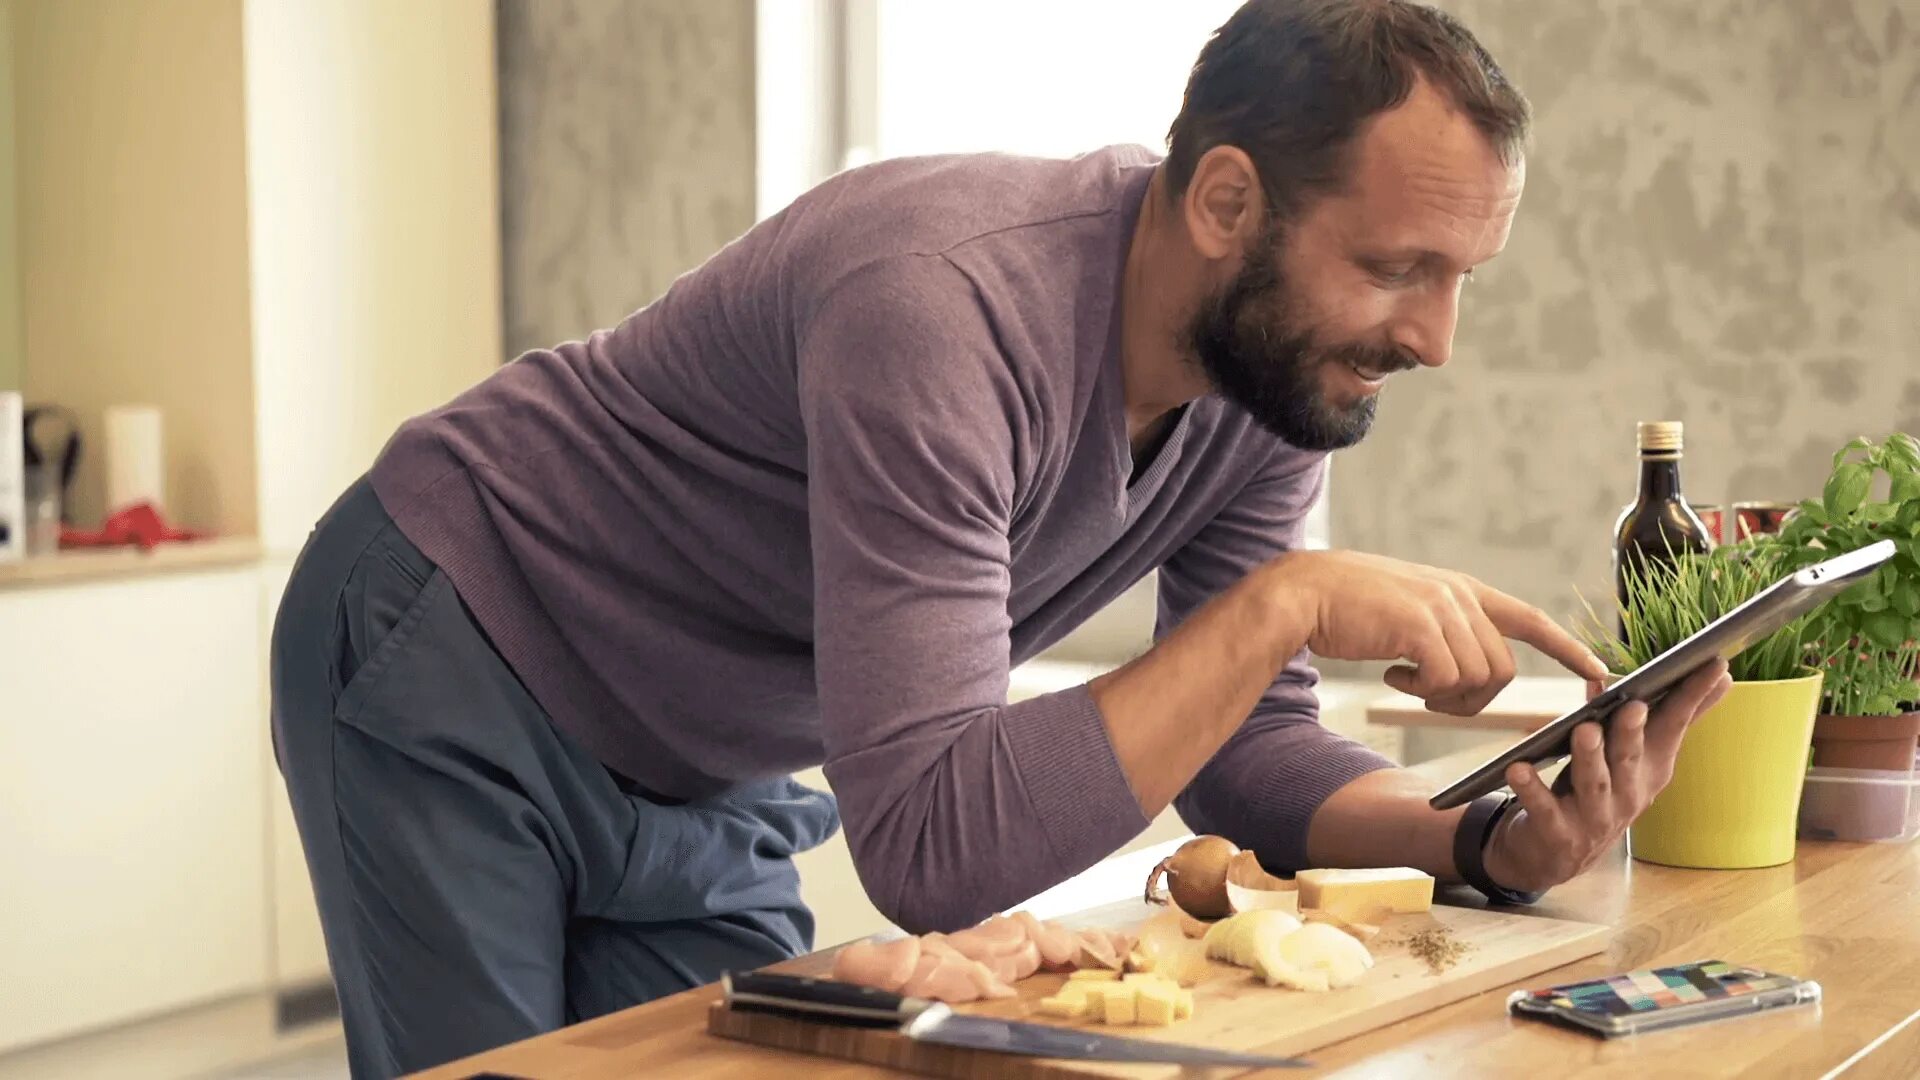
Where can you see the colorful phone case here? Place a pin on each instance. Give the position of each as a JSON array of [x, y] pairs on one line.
[[1655, 998]]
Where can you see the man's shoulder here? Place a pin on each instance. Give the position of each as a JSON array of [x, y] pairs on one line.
[[938, 204], [1017, 256]]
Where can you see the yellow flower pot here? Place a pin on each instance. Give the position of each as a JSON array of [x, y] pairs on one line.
[[1735, 797]]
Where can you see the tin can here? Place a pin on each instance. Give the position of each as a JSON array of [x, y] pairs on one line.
[[1713, 516], [1759, 518]]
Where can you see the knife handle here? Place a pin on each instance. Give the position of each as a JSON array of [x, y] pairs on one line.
[[823, 1000]]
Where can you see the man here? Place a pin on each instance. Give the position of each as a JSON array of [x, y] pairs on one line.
[[538, 684]]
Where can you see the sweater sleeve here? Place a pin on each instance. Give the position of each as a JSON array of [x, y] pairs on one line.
[[956, 803], [1261, 788]]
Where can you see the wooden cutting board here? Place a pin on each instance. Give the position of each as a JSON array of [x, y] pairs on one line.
[[1232, 1010]]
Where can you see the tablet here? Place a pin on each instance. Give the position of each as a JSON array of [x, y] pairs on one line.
[[1768, 610]]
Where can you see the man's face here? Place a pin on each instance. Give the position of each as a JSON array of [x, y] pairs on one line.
[[1362, 283]]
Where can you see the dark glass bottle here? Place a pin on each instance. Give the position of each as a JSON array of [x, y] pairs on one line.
[[1659, 524]]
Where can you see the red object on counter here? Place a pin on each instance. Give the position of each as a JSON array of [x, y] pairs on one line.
[[139, 524]]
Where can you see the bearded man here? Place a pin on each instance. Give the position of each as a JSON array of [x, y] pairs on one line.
[[541, 679]]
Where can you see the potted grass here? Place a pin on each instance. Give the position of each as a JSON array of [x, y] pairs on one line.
[[1734, 798], [1870, 704]]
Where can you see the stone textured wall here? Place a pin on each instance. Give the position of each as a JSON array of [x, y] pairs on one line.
[[626, 145], [1721, 225]]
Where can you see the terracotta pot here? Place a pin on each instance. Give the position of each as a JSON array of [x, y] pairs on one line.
[[1866, 742]]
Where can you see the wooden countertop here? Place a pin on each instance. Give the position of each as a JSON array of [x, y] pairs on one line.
[[98, 564], [1525, 706], [1847, 915]]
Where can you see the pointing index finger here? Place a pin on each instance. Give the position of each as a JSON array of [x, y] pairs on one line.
[[1522, 621]]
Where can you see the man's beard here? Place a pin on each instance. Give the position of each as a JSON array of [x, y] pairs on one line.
[[1259, 353]]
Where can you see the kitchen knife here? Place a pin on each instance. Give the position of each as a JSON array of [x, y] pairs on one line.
[[845, 1004]]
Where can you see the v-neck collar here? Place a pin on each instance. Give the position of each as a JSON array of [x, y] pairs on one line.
[[1133, 491]]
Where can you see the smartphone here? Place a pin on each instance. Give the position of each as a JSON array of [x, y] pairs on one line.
[[1656, 998]]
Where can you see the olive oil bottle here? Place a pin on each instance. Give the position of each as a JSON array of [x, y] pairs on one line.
[[1659, 525]]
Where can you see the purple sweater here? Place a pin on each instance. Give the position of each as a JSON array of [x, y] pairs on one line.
[[813, 503]]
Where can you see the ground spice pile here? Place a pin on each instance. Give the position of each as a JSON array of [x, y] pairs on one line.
[[1438, 947]]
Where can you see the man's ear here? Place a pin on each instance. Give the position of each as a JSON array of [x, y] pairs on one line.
[[1223, 205]]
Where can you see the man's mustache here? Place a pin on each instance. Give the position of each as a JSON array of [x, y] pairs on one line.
[[1385, 361]]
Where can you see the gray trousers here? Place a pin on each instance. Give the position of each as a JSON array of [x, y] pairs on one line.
[[480, 877]]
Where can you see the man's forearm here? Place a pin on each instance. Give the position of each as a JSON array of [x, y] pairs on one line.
[[1382, 819], [1169, 710]]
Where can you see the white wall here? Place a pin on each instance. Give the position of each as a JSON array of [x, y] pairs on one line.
[[374, 214], [9, 222]]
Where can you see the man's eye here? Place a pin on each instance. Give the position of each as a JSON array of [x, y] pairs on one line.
[[1390, 274]]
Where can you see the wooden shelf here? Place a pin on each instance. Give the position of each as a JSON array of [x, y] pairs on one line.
[[76, 567]]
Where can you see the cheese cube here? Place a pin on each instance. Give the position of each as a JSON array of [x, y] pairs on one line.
[[1075, 1007], [1146, 977], [1074, 990], [1095, 1002], [1363, 895], [1183, 1005], [1157, 1002], [1117, 1003], [1093, 975]]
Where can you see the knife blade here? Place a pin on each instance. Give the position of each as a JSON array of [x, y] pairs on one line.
[[829, 1002]]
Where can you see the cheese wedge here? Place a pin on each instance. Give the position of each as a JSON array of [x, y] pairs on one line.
[[1074, 1007], [1156, 1003], [1117, 1003], [1364, 895]]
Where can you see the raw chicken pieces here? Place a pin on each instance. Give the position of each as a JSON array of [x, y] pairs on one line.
[[979, 962]]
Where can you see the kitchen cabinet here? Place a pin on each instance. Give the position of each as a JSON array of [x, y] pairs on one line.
[[133, 828]]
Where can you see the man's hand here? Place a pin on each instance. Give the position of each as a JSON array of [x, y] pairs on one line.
[[1557, 837], [1450, 629]]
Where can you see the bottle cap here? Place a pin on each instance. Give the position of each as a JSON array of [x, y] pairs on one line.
[[1659, 435]]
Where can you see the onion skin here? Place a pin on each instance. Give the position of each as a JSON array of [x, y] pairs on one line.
[[1196, 877]]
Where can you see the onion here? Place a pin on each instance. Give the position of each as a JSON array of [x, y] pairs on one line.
[[1163, 949], [1196, 877], [1249, 887], [1318, 947]]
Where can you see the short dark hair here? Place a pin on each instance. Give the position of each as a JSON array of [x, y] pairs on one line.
[[1292, 82]]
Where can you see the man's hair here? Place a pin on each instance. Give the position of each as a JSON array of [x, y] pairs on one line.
[[1293, 82]]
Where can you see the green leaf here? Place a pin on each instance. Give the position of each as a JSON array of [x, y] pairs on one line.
[[1814, 512], [1871, 601], [1847, 488], [1906, 599], [1906, 488], [1860, 443], [1905, 448], [1878, 513], [1886, 629]]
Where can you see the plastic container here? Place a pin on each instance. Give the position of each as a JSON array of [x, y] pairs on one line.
[[1860, 804]]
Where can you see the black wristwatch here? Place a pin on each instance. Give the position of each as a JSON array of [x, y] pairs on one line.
[[1470, 849]]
